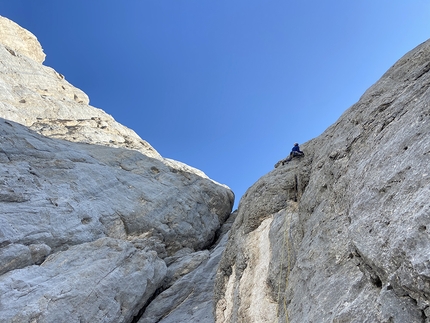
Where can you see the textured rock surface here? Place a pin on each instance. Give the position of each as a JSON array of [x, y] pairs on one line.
[[348, 225], [20, 41], [190, 298], [87, 222], [58, 194], [100, 228], [61, 193], [39, 97], [107, 280]]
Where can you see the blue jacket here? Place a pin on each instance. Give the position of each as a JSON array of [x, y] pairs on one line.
[[296, 148]]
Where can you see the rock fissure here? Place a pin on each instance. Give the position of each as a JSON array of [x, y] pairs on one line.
[[137, 317], [423, 71]]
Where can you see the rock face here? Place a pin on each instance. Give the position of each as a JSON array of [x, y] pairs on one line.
[[19, 41], [190, 298], [343, 234], [40, 98], [96, 226], [94, 223], [100, 281]]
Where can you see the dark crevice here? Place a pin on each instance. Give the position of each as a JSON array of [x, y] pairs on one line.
[[211, 245], [142, 310], [11, 51], [423, 314], [296, 188], [222, 230], [423, 71], [376, 281], [367, 270], [386, 123], [384, 106]]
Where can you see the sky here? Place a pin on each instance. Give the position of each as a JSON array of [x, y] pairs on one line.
[[226, 86]]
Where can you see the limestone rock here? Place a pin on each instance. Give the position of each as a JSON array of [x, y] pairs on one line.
[[190, 298], [19, 41], [89, 210], [341, 235], [107, 280], [39, 97], [60, 193]]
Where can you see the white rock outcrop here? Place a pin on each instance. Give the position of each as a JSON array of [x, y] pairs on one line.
[[19, 41], [40, 98], [88, 210]]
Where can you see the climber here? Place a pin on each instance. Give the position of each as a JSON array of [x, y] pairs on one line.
[[295, 152]]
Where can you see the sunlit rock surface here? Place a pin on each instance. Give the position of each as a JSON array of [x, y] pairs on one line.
[[342, 234], [96, 226], [40, 98], [88, 210], [19, 41]]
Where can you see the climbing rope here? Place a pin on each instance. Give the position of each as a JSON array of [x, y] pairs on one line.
[[285, 245]]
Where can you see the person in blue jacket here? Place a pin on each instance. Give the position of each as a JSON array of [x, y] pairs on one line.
[[296, 151]]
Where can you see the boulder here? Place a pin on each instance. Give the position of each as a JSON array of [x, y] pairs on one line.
[[60, 194]]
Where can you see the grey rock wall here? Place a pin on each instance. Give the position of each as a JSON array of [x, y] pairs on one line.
[[342, 234], [107, 280], [190, 298], [69, 199], [94, 223], [96, 226]]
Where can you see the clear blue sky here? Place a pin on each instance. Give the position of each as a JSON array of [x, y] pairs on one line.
[[226, 86]]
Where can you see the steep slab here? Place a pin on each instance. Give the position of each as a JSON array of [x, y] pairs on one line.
[[349, 223]]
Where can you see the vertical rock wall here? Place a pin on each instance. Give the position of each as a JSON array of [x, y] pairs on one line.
[[349, 222]]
